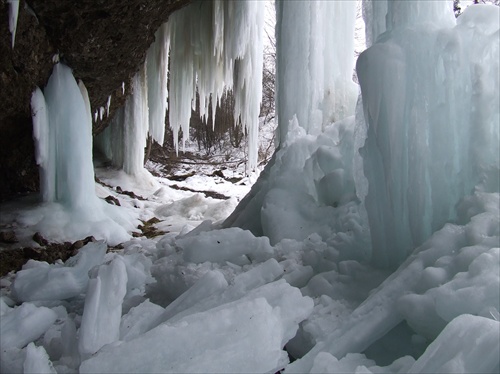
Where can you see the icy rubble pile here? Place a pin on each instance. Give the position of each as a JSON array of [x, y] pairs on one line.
[[224, 300], [231, 318], [214, 46]]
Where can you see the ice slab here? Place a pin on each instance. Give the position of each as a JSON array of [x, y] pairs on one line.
[[224, 245], [55, 282], [468, 344], [37, 361], [25, 324], [241, 337], [103, 307]]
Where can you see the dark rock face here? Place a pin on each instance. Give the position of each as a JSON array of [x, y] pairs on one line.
[[103, 41]]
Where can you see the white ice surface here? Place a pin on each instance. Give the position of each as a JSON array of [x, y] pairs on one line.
[[13, 14], [41, 281]]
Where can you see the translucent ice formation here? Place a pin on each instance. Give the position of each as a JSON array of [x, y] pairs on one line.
[[63, 140], [214, 45], [217, 45], [432, 118], [315, 62], [13, 14]]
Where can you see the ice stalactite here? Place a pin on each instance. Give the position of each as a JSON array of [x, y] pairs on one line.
[[315, 43], [13, 14], [136, 124], [215, 46], [432, 125], [157, 77]]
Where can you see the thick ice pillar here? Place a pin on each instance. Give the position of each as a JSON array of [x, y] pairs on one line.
[[430, 138], [63, 139], [315, 44]]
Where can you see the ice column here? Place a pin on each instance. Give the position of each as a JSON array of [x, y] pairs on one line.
[[43, 154], [374, 15], [432, 117], [136, 124], [63, 140], [315, 44]]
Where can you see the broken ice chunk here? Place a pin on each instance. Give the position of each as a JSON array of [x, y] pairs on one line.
[[55, 282], [103, 307], [25, 324]]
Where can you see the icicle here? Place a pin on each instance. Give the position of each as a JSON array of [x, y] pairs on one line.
[[123, 88], [101, 113], [41, 138], [207, 40], [157, 68], [85, 95], [13, 14], [108, 104], [95, 116], [136, 125], [315, 63]]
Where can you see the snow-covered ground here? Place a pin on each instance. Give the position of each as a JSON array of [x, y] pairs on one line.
[[223, 300]]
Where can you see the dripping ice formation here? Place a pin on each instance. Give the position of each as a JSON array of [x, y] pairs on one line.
[[299, 269], [433, 136], [214, 46], [13, 14], [315, 79], [221, 48], [64, 140]]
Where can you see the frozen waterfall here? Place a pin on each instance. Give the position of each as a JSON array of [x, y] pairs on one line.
[[315, 40], [431, 113], [214, 46], [369, 244]]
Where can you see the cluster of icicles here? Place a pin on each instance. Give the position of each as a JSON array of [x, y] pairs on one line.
[[214, 46]]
